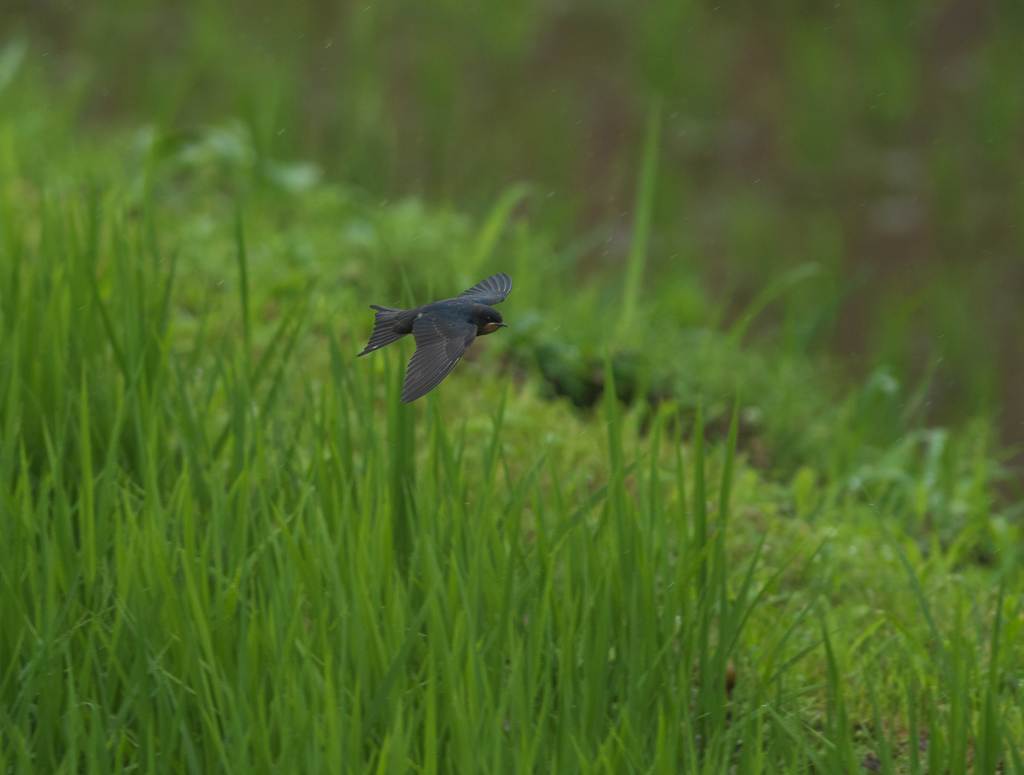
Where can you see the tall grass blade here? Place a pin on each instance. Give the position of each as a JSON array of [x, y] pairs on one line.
[[838, 730], [494, 225], [644, 209], [401, 464], [243, 280], [790, 279], [988, 748]]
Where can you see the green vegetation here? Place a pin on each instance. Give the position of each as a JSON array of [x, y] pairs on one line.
[[880, 140], [635, 532]]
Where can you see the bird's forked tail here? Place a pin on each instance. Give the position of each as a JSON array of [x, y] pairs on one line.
[[383, 333]]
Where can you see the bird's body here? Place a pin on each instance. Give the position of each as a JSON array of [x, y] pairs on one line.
[[442, 329]]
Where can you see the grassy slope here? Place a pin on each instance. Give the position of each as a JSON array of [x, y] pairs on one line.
[[226, 546]]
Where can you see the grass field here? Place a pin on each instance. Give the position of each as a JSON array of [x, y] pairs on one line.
[[625, 535]]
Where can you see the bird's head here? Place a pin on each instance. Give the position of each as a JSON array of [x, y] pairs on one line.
[[487, 319]]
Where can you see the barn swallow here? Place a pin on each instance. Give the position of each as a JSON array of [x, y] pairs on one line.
[[442, 330]]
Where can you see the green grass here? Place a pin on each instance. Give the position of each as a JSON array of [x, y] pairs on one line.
[[225, 545]]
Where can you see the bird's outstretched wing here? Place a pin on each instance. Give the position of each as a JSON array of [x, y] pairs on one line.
[[439, 345], [493, 290]]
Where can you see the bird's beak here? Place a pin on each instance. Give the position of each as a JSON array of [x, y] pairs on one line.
[[503, 325]]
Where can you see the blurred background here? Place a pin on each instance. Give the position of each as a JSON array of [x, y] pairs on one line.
[[876, 147]]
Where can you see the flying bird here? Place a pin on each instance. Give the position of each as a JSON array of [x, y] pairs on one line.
[[442, 330]]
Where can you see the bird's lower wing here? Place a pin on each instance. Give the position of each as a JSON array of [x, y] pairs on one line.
[[439, 345], [493, 290]]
